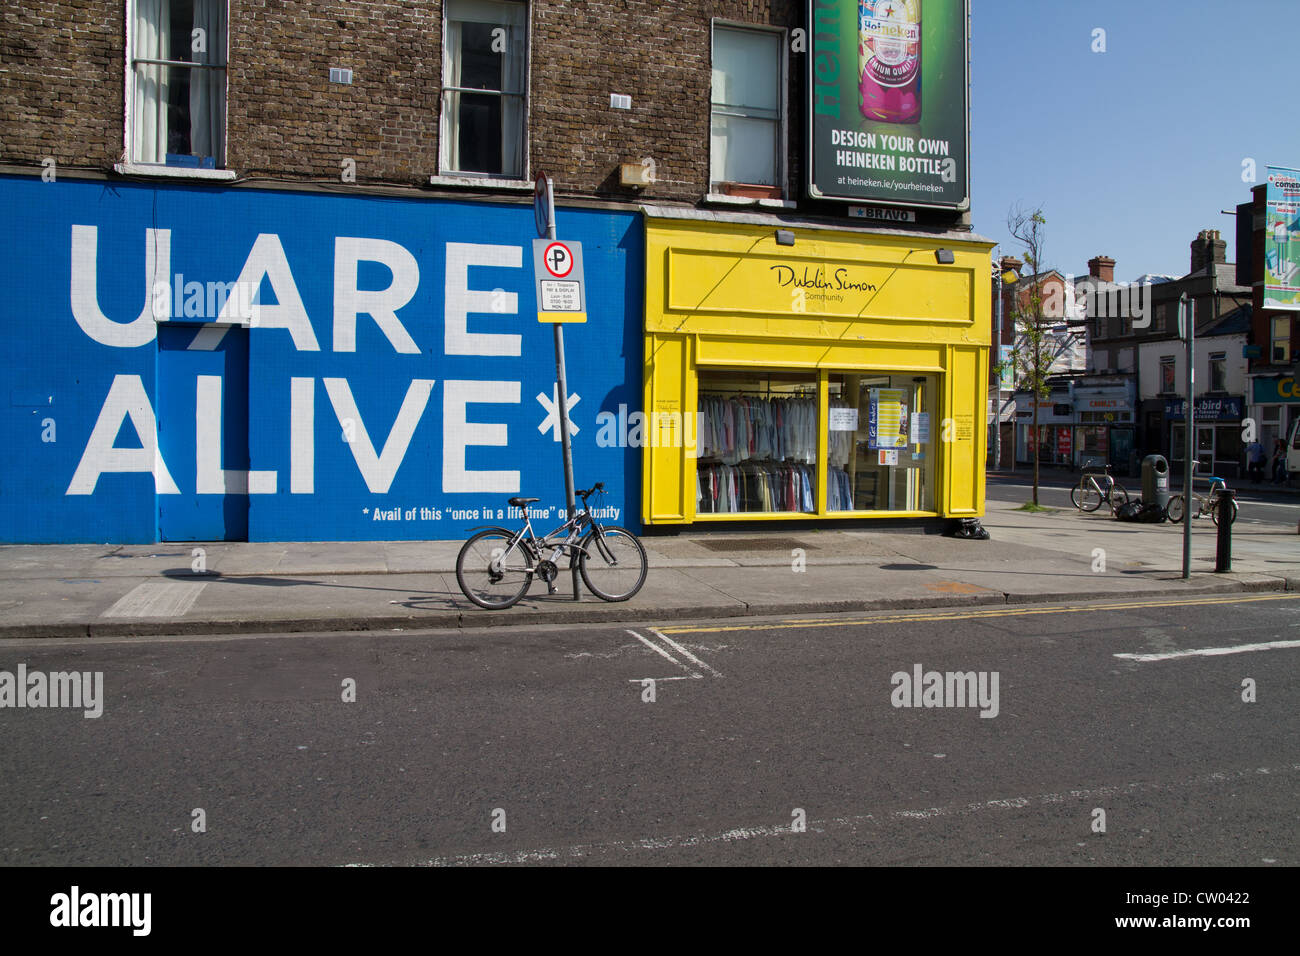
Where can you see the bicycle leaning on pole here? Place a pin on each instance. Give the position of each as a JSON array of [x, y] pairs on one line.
[[1206, 504], [1095, 486], [496, 566]]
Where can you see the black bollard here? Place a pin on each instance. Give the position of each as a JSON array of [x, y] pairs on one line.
[[1223, 556]]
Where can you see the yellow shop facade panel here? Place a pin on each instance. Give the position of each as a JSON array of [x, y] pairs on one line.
[[801, 371]]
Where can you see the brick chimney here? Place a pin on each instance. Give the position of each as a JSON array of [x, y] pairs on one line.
[[1102, 268], [1010, 263], [1208, 247]]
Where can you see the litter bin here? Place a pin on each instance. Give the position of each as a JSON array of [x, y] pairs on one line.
[[1155, 480]]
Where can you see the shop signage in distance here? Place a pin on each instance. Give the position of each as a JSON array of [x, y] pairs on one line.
[[882, 213], [560, 282]]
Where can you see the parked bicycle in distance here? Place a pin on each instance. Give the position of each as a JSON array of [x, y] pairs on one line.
[[1096, 486], [1206, 504], [496, 566]]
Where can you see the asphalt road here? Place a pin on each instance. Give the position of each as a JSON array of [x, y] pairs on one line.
[[1259, 506], [755, 727]]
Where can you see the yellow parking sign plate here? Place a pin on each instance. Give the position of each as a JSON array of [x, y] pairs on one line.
[[561, 316]]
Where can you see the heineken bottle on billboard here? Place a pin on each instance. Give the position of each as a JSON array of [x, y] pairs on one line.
[[889, 60]]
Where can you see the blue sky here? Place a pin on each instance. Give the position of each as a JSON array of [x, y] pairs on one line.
[[1133, 151]]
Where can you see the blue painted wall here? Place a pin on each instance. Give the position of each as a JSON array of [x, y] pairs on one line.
[[84, 352]]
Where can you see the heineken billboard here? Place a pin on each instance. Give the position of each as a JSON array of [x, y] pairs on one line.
[[888, 102]]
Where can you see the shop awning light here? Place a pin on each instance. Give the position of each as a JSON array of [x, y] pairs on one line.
[[944, 256], [785, 237]]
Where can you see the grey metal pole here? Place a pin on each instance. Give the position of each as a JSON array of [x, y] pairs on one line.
[[561, 382], [1187, 310]]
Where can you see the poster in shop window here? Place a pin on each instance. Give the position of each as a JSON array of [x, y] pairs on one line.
[[886, 419], [888, 102]]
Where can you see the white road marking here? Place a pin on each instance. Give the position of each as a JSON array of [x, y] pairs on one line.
[[156, 600], [1089, 796], [1210, 651], [642, 680], [659, 650], [683, 651]]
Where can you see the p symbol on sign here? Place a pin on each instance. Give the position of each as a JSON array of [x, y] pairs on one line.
[[558, 260]]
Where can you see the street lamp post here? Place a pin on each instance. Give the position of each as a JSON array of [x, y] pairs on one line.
[[1009, 277]]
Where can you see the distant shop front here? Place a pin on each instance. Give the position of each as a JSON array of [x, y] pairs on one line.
[[812, 372], [1078, 425], [1218, 425]]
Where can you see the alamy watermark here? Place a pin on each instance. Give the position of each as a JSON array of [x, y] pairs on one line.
[[923, 688], [79, 909], [1095, 299], [211, 300], [79, 690]]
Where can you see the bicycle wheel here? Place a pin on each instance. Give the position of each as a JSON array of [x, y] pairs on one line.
[[1174, 510], [613, 564], [482, 576], [1232, 512], [1086, 496], [1118, 496]]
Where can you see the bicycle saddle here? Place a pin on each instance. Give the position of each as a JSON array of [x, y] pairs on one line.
[[521, 502]]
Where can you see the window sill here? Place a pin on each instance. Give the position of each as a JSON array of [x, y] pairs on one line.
[[173, 172], [482, 182], [725, 200]]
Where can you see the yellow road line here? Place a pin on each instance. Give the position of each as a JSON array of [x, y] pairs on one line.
[[1000, 610]]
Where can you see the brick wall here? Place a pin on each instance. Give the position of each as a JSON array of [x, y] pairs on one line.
[[62, 66], [61, 71]]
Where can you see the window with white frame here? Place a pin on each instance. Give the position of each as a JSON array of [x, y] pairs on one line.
[[1280, 350], [1218, 371], [1168, 372], [746, 133], [484, 61], [177, 99]]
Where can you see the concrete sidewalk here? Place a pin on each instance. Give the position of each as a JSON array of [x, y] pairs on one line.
[[101, 590]]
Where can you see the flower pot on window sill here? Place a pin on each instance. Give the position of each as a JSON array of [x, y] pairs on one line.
[[750, 190]]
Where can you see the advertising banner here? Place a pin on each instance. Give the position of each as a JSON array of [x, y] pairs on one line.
[[1282, 239], [889, 104], [190, 363]]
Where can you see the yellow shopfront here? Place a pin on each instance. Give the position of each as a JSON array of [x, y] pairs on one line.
[[810, 372]]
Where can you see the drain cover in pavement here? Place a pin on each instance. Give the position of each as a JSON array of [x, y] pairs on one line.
[[754, 544]]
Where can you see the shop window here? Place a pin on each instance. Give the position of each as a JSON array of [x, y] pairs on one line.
[[1092, 442], [756, 443], [485, 47], [1280, 350], [1270, 424], [1168, 375], [881, 440], [1218, 371], [1228, 447], [177, 100], [745, 139]]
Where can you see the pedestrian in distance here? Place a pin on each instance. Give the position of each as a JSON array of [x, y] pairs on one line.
[[1255, 461], [1279, 461]]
